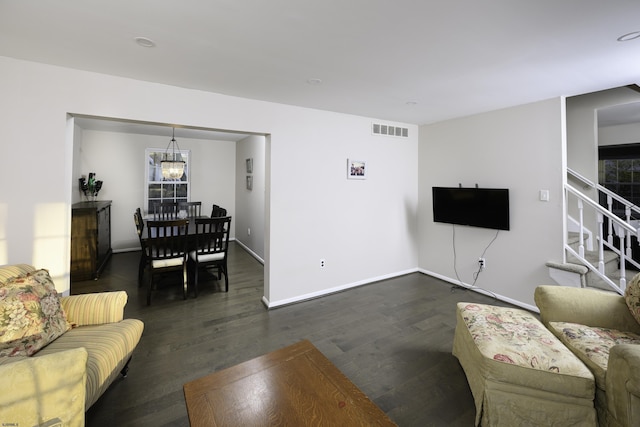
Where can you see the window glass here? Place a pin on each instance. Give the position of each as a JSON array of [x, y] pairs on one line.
[[159, 189]]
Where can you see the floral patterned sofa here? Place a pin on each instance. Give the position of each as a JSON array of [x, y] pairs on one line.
[[58, 354], [519, 373], [603, 330]]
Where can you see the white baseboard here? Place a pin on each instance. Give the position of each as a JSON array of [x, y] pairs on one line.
[[325, 292], [250, 252], [123, 250], [341, 288], [529, 307]]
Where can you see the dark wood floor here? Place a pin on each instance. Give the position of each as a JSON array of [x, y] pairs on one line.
[[391, 338]]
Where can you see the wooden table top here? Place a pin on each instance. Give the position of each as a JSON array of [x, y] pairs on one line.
[[296, 386]]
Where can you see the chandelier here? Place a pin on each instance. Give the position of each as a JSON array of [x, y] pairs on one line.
[[174, 168]]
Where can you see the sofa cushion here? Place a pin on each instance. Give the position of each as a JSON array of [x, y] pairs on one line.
[[632, 296], [16, 270], [30, 314], [94, 308], [514, 336], [109, 347], [44, 391], [592, 345]]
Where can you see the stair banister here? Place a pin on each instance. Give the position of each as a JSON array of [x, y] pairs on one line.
[[629, 209], [620, 222], [588, 183], [623, 229], [627, 204]]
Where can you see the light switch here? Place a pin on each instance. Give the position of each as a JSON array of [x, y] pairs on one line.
[[544, 195]]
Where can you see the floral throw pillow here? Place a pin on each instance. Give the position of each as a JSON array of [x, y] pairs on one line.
[[632, 296], [30, 314]]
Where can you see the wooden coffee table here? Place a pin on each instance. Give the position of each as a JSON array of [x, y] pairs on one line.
[[296, 386]]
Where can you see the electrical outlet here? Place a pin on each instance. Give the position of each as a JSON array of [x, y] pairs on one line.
[[482, 264], [249, 231], [322, 263]]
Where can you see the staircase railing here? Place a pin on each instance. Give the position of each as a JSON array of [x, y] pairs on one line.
[[631, 211], [629, 208], [588, 183], [623, 229]]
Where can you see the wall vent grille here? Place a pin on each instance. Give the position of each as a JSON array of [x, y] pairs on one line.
[[388, 130]]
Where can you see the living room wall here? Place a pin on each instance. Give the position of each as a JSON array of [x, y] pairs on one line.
[[519, 148], [366, 230]]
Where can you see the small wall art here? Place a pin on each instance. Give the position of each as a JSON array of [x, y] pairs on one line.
[[356, 169], [249, 182], [249, 165]]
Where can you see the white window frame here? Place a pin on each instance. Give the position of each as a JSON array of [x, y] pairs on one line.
[[157, 188]]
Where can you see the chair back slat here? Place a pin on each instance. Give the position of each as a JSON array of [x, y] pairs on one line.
[[212, 235], [167, 239], [163, 211], [192, 209]]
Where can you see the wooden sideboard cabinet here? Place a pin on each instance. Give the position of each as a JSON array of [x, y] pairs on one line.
[[90, 239]]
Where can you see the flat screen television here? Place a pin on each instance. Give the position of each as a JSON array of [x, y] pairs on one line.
[[476, 207]]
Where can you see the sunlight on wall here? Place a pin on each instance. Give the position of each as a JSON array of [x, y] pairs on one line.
[[4, 253], [51, 242]]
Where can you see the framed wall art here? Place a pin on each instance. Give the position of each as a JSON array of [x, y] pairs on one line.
[[249, 165], [356, 169]]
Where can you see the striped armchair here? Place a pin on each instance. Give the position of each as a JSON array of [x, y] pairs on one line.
[[98, 328]]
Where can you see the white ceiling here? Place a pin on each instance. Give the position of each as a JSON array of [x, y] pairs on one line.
[[414, 61], [619, 114]]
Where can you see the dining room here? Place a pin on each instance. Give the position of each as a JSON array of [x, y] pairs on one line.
[[226, 169]]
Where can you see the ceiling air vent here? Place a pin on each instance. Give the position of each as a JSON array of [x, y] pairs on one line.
[[388, 130]]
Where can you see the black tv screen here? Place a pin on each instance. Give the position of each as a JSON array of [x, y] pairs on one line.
[[477, 207]]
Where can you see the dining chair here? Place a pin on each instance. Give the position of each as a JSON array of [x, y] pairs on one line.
[[212, 243], [139, 222], [193, 209], [163, 211], [167, 250], [218, 211]]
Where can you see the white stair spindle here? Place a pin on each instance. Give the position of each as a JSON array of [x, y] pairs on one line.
[[623, 274], [581, 232], [609, 220], [600, 220], [627, 211]]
